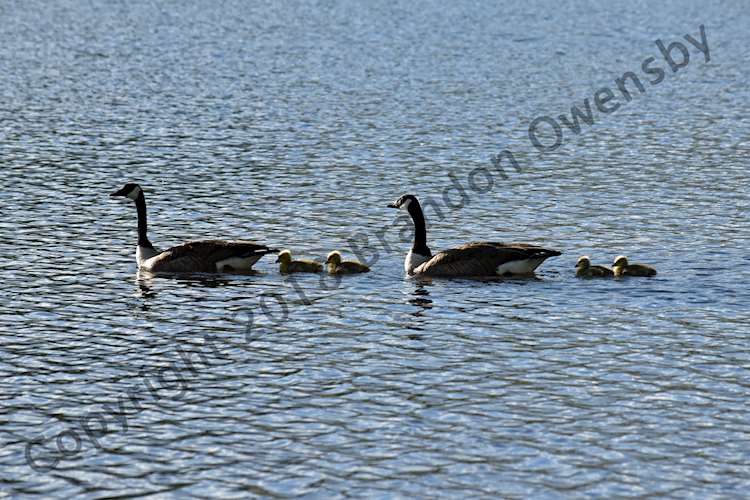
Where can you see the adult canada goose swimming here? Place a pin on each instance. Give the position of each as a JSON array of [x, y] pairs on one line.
[[621, 267], [207, 256], [287, 265], [584, 269], [337, 266], [473, 259]]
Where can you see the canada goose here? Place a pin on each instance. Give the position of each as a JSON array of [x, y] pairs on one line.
[[584, 269], [207, 256], [622, 268], [473, 259], [287, 265], [337, 266]]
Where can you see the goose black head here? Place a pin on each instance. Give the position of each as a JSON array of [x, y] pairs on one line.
[[404, 202], [129, 190]]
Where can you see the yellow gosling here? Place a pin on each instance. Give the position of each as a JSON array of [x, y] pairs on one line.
[[287, 265], [337, 266], [584, 269], [621, 267]]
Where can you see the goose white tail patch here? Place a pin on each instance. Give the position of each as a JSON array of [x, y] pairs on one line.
[[526, 266], [237, 263], [134, 193]]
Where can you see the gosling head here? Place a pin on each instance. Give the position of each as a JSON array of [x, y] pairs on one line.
[[129, 190], [285, 257], [404, 202], [334, 258], [620, 260], [583, 262]]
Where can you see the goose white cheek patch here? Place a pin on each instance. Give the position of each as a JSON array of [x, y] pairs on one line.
[[134, 193], [405, 206]]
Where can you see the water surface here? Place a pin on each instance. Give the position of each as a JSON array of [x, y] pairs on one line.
[[295, 124]]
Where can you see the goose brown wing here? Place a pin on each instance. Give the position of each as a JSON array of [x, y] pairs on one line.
[[202, 256], [480, 258]]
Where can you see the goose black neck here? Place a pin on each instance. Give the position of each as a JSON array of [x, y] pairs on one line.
[[140, 205], [420, 229]]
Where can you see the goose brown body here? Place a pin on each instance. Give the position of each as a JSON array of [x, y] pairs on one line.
[[485, 259], [207, 256]]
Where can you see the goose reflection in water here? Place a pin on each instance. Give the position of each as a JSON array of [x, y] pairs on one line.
[[420, 299], [146, 280]]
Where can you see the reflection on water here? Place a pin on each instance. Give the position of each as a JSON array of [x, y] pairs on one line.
[[420, 299], [295, 126]]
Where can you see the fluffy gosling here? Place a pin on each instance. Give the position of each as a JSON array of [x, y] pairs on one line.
[[287, 265], [584, 269], [337, 266], [622, 268]]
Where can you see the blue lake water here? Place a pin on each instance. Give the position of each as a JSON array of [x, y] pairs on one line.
[[295, 124]]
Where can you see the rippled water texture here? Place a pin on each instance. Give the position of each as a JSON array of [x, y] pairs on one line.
[[294, 124]]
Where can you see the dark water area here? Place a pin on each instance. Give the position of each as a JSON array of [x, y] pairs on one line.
[[295, 124]]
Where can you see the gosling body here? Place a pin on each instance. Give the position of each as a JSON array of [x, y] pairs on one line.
[[288, 266], [584, 269], [622, 267], [338, 266]]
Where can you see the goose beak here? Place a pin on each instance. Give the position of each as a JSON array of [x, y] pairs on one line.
[[392, 205], [119, 192]]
